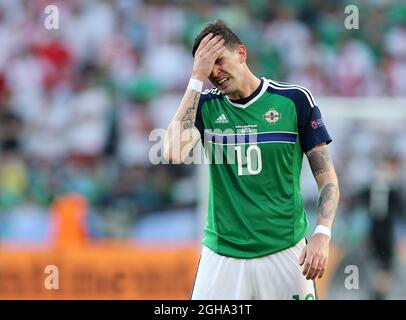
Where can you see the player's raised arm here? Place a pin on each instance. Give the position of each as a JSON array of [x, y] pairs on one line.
[[182, 135], [315, 254]]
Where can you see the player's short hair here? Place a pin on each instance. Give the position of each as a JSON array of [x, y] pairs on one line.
[[218, 27]]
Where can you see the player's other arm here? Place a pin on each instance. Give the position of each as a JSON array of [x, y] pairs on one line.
[[315, 254], [182, 135], [326, 178]]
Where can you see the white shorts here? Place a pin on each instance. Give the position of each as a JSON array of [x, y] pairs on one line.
[[274, 277]]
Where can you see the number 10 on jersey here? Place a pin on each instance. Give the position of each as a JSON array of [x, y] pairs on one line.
[[249, 163]]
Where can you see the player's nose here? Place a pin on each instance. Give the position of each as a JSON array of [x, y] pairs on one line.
[[215, 72]]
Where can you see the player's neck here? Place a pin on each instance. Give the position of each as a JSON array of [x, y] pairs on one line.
[[250, 84]]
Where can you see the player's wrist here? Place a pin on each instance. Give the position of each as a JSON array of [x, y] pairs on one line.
[[320, 229], [198, 75], [195, 84]]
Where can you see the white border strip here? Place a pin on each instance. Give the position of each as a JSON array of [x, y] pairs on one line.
[[283, 87], [240, 134], [234, 144], [243, 106]]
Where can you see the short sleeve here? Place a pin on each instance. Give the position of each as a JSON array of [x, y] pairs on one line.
[[206, 97], [199, 118], [312, 129]]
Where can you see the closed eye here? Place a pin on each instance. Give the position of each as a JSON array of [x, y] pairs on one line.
[[219, 61]]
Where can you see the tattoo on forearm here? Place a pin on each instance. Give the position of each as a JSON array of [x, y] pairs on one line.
[[319, 161], [327, 202], [188, 120]]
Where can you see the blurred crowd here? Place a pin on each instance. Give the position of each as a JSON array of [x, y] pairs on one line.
[[77, 104]]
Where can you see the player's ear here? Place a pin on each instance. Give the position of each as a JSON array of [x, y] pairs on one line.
[[242, 53]]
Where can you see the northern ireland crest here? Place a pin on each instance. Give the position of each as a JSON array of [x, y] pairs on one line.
[[272, 116]]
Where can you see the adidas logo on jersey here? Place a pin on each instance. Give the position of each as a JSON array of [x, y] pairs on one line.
[[222, 119]]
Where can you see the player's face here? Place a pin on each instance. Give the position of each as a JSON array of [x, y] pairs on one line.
[[227, 72]]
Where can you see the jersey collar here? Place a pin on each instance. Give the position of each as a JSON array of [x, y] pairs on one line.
[[246, 102]]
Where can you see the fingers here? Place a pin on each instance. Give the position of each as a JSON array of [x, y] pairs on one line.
[[317, 268], [218, 51], [216, 47], [307, 264], [209, 49], [314, 269], [204, 41], [314, 258], [209, 44], [323, 268]]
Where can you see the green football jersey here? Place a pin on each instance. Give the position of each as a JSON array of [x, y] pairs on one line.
[[255, 149]]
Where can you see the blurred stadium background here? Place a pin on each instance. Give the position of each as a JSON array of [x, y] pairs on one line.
[[77, 105]]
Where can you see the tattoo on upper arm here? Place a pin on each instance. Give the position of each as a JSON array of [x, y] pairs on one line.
[[319, 161], [188, 120], [327, 202]]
